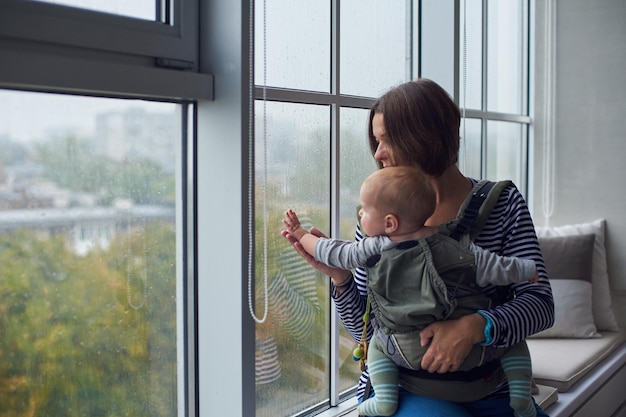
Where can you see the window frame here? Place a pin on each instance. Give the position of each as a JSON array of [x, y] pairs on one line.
[[59, 24], [59, 49], [445, 68], [49, 47], [216, 38]]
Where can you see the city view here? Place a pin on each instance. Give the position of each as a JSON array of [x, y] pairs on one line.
[[88, 240], [88, 256]]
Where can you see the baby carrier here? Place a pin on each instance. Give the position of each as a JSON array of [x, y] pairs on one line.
[[434, 279]]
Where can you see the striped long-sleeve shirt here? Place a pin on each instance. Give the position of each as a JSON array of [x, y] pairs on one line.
[[528, 307]]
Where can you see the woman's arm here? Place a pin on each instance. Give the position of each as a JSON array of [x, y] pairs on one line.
[[351, 300], [521, 309], [526, 308], [348, 294]]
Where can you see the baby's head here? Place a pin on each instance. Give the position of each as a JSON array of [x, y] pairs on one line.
[[403, 191]]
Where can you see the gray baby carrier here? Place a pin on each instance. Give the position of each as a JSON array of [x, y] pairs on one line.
[[435, 279]]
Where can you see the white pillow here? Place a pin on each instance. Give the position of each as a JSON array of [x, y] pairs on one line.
[[572, 311], [603, 315]]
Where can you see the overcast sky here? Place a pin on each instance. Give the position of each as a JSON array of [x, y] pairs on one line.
[[27, 117]]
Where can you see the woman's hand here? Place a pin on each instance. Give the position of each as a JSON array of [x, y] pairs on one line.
[[450, 342], [339, 276]]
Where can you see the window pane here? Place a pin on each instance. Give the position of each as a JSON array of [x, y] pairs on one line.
[[437, 44], [292, 146], [472, 59], [505, 57], [373, 47], [356, 163], [470, 153], [140, 9], [292, 44], [504, 151], [88, 248]]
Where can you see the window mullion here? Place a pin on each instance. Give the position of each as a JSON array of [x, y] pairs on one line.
[[334, 189]]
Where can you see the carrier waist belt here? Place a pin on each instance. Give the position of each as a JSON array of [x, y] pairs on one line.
[[464, 376]]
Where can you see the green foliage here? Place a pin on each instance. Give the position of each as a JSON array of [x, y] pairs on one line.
[[72, 164], [71, 344], [144, 181]]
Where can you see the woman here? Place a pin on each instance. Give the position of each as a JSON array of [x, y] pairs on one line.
[[417, 123]]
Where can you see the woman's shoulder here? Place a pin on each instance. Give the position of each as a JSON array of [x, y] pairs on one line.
[[509, 221]]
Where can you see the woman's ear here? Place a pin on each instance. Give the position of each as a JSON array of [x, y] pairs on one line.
[[391, 224]]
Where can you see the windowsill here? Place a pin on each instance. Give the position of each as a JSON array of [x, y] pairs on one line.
[[344, 409]]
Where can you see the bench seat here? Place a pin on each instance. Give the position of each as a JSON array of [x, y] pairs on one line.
[[589, 374]]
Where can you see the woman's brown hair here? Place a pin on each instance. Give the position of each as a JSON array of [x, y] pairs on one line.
[[422, 125]]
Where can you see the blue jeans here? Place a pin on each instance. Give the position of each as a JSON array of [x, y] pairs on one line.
[[411, 405]]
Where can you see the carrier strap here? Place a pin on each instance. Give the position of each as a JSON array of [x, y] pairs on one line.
[[477, 207]]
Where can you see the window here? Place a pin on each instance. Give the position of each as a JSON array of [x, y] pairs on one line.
[[126, 27], [145, 9], [494, 85], [94, 224], [89, 225], [311, 154], [103, 53], [151, 153]]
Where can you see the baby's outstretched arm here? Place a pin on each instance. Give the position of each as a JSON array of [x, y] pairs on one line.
[[293, 227]]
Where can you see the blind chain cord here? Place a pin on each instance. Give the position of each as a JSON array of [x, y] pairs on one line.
[[251, 167]]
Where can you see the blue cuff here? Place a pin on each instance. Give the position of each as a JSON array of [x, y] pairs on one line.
[[488, 330]]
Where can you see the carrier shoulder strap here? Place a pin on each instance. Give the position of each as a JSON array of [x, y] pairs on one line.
[[477, 207]]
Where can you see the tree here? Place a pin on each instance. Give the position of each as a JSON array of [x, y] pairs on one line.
[[71, 163], [71, 342]]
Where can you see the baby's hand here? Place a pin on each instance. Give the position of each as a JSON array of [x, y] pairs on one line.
[[532, 281], [291, 221]]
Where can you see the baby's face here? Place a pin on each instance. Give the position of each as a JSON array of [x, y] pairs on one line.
[[372, 221]]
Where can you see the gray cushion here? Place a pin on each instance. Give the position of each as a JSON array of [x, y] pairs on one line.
[[568, 262], [568, 257]]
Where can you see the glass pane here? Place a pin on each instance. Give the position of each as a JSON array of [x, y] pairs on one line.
[[292, 44], [471, 58], [292, 146], [140, 9], [504, 151], [470, 154], [505, 57], [355, 163], [437, 44], [373, 47], [88, 248]]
